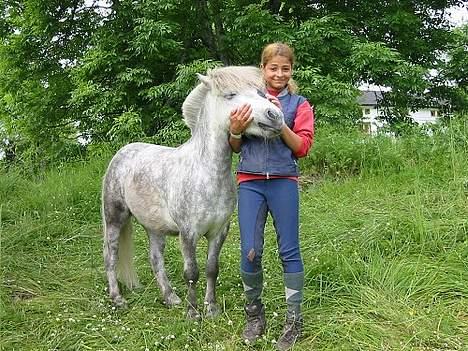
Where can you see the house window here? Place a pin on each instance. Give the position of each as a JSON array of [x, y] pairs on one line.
[[367, 111], [366, 127], [434, 113]]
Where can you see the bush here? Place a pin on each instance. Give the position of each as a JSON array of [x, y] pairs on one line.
[[348, 151]]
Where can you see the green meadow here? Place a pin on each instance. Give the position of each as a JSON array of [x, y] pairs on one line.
[[384, 233]]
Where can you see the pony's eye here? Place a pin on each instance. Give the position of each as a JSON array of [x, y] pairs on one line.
[[261, 93], [229, 96]]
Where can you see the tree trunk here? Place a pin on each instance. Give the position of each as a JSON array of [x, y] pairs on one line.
[[212, 29], [274, 6]]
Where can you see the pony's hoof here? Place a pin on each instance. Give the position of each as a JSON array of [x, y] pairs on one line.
[[172, 300], [212, 310], [120, 303], [193, 314]]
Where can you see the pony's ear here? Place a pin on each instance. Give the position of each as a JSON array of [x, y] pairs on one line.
[[204, 79]]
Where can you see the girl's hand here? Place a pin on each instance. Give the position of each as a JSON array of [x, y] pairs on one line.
[[240, 119], [274, 100]]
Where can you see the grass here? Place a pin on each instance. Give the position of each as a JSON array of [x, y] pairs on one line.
[[384, 241]]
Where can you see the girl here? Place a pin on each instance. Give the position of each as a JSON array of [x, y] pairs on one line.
[[267, 175]]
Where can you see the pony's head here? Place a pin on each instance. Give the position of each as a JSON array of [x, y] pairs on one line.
[[223, 89]]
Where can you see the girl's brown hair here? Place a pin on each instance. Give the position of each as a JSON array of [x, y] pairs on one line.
[[279, 49]]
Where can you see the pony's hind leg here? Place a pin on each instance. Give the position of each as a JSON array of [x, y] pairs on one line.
[[212, 271], [156, 255], [111, 247], [115, 226], [191, 273]]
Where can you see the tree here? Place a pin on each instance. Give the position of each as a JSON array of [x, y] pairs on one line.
[[451, 84], [41, 40], [120, 70]]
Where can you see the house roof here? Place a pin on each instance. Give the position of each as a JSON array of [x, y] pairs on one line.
[[374, 97], [369, 98]]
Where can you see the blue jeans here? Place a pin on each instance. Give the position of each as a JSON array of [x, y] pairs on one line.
[[280, 198]]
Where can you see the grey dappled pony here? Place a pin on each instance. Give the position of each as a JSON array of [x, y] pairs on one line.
[[187, 191]]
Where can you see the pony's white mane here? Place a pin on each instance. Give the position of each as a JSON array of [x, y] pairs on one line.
[[222, 80], [236, 78]]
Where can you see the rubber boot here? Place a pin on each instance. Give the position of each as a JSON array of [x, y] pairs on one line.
[[256, 322], [291, 332], [294, 288]]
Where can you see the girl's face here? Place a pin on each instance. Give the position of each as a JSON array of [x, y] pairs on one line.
[[277, 72]]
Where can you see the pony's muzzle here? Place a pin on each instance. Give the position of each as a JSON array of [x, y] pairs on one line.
[[273, 121], [273, 115]]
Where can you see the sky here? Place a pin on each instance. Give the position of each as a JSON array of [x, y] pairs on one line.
[[458, 15]]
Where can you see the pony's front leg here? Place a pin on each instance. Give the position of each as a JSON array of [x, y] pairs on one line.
[[157, 245], [191, 273], [212, 270]]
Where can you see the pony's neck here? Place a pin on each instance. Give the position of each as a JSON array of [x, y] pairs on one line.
[[210, 140]]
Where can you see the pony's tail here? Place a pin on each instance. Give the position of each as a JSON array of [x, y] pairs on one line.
[[126, 272]]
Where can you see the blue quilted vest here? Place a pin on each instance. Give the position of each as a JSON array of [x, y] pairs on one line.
[[272, 156]]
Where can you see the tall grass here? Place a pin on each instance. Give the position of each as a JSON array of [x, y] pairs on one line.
[[384, 239]]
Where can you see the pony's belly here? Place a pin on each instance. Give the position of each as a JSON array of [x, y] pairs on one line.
[[152, 214], [210, 222], [156, 221]]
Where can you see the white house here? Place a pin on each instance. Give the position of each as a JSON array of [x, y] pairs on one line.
[[371, 112]]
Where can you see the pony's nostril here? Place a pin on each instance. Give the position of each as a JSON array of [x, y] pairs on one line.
[[271, 114]]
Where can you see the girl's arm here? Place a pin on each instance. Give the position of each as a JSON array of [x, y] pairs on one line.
[[301, 137]]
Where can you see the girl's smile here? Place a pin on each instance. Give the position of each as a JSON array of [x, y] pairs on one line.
[[277, 72]]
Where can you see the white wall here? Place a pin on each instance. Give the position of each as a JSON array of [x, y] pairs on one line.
[[371, 123], [423, 116]]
